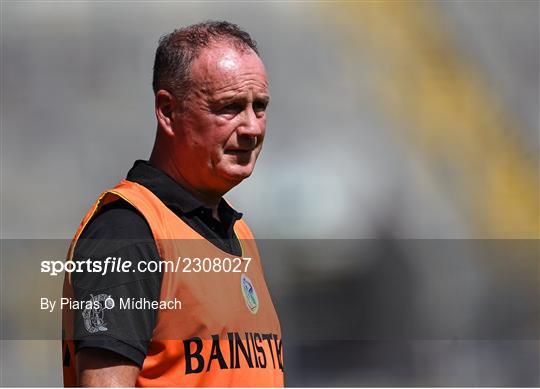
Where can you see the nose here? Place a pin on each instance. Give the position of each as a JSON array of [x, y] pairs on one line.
[[251, 126]]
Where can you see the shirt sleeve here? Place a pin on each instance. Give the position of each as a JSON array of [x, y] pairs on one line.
[[119, 233]]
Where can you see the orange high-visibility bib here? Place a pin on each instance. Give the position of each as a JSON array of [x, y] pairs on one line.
[[227, 332]]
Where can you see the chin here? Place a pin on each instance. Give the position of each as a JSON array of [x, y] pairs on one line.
[[238, 173]]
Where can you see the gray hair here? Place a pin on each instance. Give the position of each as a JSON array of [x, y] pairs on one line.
[[178, 50]]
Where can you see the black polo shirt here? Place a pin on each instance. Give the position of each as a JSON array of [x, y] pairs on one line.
[[120, 231]]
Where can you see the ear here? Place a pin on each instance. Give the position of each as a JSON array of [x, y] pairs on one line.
[[165, 105]]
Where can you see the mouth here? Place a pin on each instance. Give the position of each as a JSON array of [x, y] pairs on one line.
[[238, 151]]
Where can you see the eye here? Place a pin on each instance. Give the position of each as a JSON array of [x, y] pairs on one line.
[[231, 109], [260, 106]]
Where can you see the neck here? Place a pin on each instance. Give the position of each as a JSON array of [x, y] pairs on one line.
[[208, 198]]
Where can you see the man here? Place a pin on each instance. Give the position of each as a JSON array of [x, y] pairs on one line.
[[211, 95]]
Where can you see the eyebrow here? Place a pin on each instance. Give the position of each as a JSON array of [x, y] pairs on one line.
[[259, 97]]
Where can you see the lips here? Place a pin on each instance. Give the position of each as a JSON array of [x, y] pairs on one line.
[[238, 151]]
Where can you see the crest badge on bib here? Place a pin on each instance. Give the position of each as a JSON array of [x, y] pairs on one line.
[[250, 295]]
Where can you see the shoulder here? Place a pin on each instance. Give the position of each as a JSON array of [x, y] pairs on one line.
[[242, 230], [117, 225], [117, 220]]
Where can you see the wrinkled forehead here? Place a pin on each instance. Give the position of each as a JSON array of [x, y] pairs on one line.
[[221, 66]]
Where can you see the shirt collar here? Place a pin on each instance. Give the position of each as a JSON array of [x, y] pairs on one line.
[[177, 198]]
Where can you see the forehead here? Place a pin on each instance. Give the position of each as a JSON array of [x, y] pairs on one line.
[[221, 67]]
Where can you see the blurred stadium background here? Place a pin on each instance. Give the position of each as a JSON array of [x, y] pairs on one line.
[[400, 135]]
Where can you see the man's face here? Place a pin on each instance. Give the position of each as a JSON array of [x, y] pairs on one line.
[[220, 132]]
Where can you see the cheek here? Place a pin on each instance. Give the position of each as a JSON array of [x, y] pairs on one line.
[[262, 126], [211, 134], [218, 139], [223, 131]]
